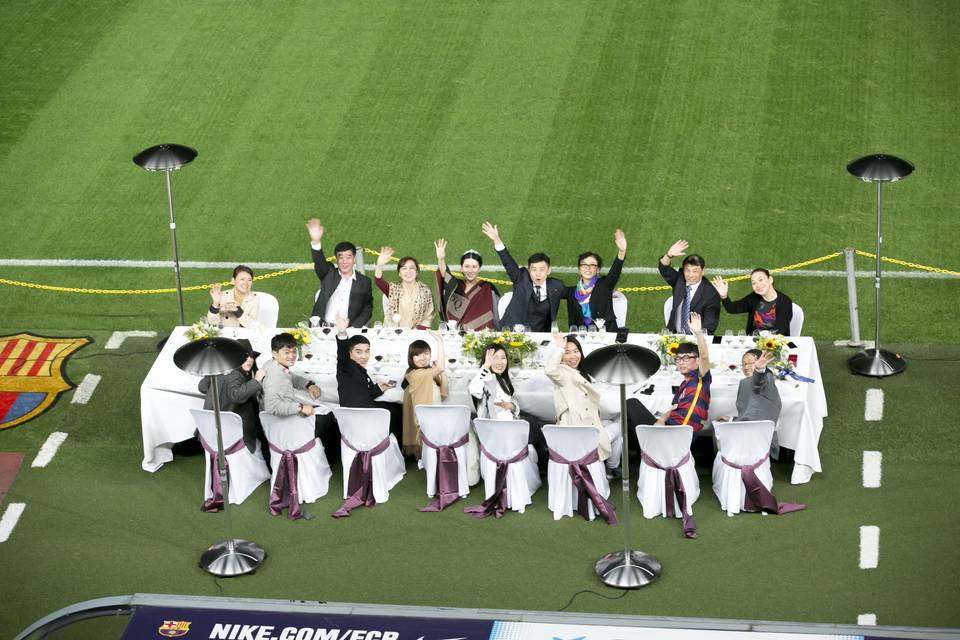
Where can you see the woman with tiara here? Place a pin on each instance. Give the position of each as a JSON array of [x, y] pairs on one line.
[[470, 302]]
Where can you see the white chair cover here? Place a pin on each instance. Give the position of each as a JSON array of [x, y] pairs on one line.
[[667, 446], [443, 425], [742, 443], [503, 303], [385, 304], [796, 322], [246, 471], [667, 308], [364, 429], [573, 443], [269, 310], [505, 439], [620, 308], [289, 434]]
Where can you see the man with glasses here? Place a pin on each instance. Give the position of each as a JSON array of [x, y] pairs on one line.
[[691, 292], [590, 301]]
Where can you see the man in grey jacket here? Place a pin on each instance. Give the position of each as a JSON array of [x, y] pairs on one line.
[[757, 397]]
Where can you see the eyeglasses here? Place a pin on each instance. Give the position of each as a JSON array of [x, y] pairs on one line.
[[686, 356], [590, 265]]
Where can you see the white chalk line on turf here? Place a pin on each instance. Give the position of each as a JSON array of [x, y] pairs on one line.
[[49, 449], [873, 410], [869, 547], [869, 619], [368, 266], [10, 518], [117, 337], [872, 470], [85, 389]]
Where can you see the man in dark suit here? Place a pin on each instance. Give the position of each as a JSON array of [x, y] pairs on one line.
[[536, 296], [692, 293], [343, 291]]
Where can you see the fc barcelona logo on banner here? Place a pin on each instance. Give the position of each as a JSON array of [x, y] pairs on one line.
[[32, 375], [174, 628]]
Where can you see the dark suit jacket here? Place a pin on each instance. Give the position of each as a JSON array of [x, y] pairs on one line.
[[354, 385], [601, 300], [706, 301], [518, 310], [238, 393], [360, 306], [748, 304]]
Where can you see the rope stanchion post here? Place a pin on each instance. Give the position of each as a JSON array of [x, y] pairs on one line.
[[848, 255]]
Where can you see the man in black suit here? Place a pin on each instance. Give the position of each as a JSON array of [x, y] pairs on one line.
[[343, 291], [536, 296], [692, 293]]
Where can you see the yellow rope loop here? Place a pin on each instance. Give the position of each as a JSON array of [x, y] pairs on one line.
[[660, 287], [904, 263]]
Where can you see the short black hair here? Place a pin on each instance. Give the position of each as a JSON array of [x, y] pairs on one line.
[[538, 257], [282, 340], [760, 270], [695, 260], [590, 254], [688, 347], [756, 353], [345, 246], [355, 340], [242, 268]]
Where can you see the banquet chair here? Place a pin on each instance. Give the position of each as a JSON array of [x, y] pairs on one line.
[[740, 443], [301, 472], [503, 303], [445, 430], [246, 470], [269, 310], [568, 446], [796, 322], [503, 445], [620, 308], [666, 473], [371, 458], [667, 308]]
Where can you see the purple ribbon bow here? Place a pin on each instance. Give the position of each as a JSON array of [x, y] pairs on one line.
[[586, 490], [360, 483], [758, 497], [448, 480], [497, 502], [673, 488], [284, 491], [215, 503]]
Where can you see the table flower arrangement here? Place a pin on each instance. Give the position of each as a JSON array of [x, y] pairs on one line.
[[302, 336], [516, 344], [779, 346], [667, 345], [200, 330]]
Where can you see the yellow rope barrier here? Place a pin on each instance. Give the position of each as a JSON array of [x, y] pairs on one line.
[[904, 263]]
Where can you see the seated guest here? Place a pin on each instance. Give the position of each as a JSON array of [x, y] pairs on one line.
[[343, 291], [767, 309], [576, 399], [592, 298], [354, 385], [237, 307], [471, 302], [536, 296], [422, 384], [757, 395], [409, 302], [238, 393], [691, 293], [491, 387]]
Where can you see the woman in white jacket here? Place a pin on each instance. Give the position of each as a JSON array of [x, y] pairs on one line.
[[492, 387]]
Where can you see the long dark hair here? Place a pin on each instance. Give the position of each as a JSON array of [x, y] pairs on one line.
[[572, 340], [416, 348], [502, 378]]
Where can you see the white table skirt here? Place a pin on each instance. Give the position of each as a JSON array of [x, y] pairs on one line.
[[167, 393]]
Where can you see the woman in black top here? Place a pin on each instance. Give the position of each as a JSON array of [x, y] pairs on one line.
[[767, 309], [591, 299]]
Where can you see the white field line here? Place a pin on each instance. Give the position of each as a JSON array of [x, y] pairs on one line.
[[117, 338], [368, 266], [10, 518], [86, 388], [873, 410], [872, 469], [869, 619], [869, 547], [49, 449]]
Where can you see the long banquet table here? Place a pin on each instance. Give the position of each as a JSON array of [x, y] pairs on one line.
[[167, 393]]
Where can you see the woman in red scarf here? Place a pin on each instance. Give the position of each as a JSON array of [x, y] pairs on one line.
[[471, 302]]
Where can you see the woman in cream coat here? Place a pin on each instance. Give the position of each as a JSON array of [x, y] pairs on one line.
[[237, 307]]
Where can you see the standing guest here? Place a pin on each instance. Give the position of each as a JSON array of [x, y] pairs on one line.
[[471, 302], [238, 393], [592, 298], [576, 399], [422, 384], [536, 296], [691, 294], [343, 291], [767, 309], [409, 302], [237, 307], [757, 395], [354, 385]]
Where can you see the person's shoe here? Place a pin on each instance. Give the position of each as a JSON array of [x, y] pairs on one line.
[[613, 474]]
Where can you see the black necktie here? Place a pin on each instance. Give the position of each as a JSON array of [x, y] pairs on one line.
[[536, 292]]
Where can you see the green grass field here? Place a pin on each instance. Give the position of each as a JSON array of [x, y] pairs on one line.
[[728, 124]]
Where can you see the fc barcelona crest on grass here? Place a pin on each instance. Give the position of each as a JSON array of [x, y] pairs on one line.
[[32, 375]]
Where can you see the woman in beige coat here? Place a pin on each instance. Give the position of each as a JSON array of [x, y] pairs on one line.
[[576, 399], [237, 307]]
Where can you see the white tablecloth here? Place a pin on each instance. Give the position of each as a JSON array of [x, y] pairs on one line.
[[167, 393]]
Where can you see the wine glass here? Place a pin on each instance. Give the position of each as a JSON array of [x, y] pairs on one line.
[[601, 323]]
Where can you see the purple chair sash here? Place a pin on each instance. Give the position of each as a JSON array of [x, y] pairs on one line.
[[758, 497], [215, 503], [360, 483], [586, 490], [447, 480], [673, 488], [497, 502], [284, 491]]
